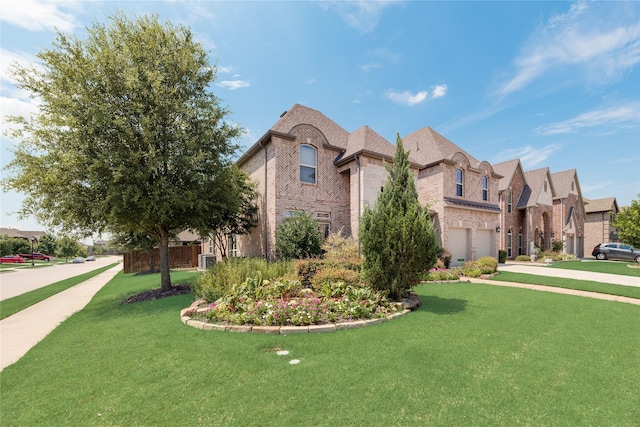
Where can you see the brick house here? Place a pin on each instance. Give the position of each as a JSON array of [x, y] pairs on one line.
[[568, 212], [308, 162], [600, 213], [526, 203]]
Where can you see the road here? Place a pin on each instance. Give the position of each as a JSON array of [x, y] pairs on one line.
[[23, 280], [539, 270]]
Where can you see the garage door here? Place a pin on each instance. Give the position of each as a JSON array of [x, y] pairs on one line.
[[484, 245], [458, 242]]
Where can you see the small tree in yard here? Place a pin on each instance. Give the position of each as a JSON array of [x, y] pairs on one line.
[[67, 248], [298, 237], [397, 238], [627, 222]]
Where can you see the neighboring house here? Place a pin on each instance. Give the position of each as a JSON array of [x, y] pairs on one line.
[[538, 203], [307, 162], [526, 204], [27, 235], [568, 212], [600, 213], [514, 234], [185, 238]]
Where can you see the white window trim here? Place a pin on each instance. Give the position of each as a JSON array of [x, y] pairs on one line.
[[314, 166]]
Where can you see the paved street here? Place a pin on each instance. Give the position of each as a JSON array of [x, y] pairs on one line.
[[23, 280]]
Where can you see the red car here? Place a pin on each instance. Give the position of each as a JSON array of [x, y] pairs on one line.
[[11, 259], [38, 256]]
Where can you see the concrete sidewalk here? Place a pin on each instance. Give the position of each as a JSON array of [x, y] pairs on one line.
[[557, 290], [23, 330]]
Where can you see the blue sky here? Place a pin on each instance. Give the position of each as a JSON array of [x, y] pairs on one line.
[[555, 84]]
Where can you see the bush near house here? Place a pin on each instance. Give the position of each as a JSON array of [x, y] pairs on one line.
[[523, 258], [484, 265]]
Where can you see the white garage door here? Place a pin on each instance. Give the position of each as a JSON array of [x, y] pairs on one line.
[[458, 242], [483, 243]]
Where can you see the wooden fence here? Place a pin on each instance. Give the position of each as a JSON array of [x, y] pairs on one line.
[[179, 257]]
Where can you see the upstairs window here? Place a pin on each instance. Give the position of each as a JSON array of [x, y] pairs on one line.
[[509, 201], [308, 162], [459, 182], [485, 188]]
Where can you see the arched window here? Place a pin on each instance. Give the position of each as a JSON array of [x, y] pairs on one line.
[[308, 162], [509, 244], [459, 182], [485, 188]]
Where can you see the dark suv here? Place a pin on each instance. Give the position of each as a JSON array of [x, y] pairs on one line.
[[616, 251]]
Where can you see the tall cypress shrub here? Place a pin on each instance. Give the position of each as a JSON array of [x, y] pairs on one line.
[[397, 238]]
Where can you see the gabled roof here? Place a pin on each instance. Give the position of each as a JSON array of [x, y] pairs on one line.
[[299, 114], [13, 232], [367, 141], [535, 180], [507, 170], [428, 147], [601, 205], [562, 183]]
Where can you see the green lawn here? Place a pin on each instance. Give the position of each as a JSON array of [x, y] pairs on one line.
[[471, 355], [20, 302], [611, 267]]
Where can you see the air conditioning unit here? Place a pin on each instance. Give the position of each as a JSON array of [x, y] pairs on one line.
[[206, 261]]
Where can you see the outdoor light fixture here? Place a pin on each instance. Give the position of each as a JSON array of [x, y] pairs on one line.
[[497, 229]]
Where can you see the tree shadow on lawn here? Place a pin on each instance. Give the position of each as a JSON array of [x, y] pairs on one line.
[[437, 305]]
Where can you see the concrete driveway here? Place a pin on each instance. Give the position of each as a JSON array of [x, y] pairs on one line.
[[542, 270], [23, 280]]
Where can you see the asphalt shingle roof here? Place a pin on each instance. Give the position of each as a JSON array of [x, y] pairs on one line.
[[601, 205], [427, 147]]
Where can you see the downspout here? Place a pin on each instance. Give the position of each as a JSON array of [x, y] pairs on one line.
[[265, 212], [357, 158], [528, 222]]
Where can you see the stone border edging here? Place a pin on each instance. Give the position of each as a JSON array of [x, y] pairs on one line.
[[186, 313]]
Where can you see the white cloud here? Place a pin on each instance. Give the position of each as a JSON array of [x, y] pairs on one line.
[[439, 91], [379, 57], [39, 15], [362, 15], [407, 98], [604, 120], [225, 70], [602, 40], [234, 84], [311, 81], [9, 58], [529, 156]]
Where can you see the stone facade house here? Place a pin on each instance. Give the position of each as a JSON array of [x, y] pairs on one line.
[[600, 213], [568, 212], [308, 162]]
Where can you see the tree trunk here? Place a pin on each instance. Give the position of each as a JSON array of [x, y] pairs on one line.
[[163, 251]]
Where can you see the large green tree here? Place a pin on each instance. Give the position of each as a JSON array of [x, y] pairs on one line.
[[627, 222], [128, 135], [397, 238]]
